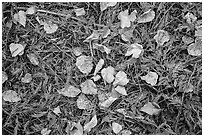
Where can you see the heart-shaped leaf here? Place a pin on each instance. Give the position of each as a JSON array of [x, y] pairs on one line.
[[121, 90], [195, 49], [16, 49], [84, 63], [79, 11], [27, 78], [126, 19], [99, 66], [151, 109], [11, 96], [116, 127], [20, 17], [121, 78], [4, 77], [150, 78], [135, 50], [146, 16], [88, 87], [105, 5], [70, 91], [33, 59], [108, 74], [161, 37], [91, 124], [50, 27]]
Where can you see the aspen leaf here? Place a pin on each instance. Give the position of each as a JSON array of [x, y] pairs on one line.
[[121, 90], [161, 37], [45, 131], [57, 110], [146, 16], [88, 87], [83, 102], [16, 49], [105, 5], [20, 17], [50, 27], [190, 18], [195, 49], [96, 77], [31, 10], [108, 102], [95, 35], [116, 127], [79, 11], [126, 19], [27, 78], [33, 59], [135, 50], [151, 109], [99, 66], [70, 91], [150, 78], [108, 74], [11, 96], [121, 79], [4, 77], [84, 63], [91, 124]]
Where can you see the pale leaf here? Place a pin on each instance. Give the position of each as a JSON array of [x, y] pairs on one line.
[[135, 50], [190, 18], [83, 102], [105, 5], [121, 90], [88, 87], [16, 49], [95, 35], [108, 74], [195, 49], [187, 40], [126, 35], [27, 78], [91, 124], [106, 32], [70, 91], [121, 78], [50, 27], [84, 63], [99, 66], [79, 11], [125, 132], [33, 59], [150, 78], [57, 110], [11, 96], [161, 37], [45, 131], [4, 77], [31, 10], [116, 127], [20, 17], [96, 77], [79, 130], [146, 16], [126, 19], [151, 109], [108, 102], [102, 48], [77, 51]]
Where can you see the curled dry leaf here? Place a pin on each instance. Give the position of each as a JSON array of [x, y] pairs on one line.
[[16, 49], [83, 102], [116, 127], [126, 19], [190, 18], [151, 108], [99, 66], [33, 59], [45, 131], [31, 10], [135, 50], [27, 78], [195, 49], [50, 27], [91, 124], [79, 11], [11, 96], [121, 78], [4, 77], [108, 74], [150, 78], [57, 110], [88, 87], [84, 63], [20, 17], [146, 16], [105, 5], [121, 90], [70, 91], [161, 37]]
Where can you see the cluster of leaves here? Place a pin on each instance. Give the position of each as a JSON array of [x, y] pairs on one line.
[[102, 68]]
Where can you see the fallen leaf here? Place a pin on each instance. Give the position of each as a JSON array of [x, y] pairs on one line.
[[146, 16], [11, 96], [57, 110], [77, 51], [31, 10], [150, 78], [150, 109], [79, 130], [45, 131], [88, 126], [195, 49], [105, 5], [198, 26], [4, 77], [20, 17], [83, 102], [116, 127], [84, 63], [88, 87], [190, 18], [161, 37], [99, 66], [126, 35], [106, 32], [108, 74], [50, 27], [126, 19], [16, 49], [107, 102], [122, 111], [95, 35], [189, 88], [27, 78], [96, 77], [102, 48], [121, 78], [33, 59], [125, 132], [121, 90], [70, 91], [187, 40], [79, 11], [135, 50]]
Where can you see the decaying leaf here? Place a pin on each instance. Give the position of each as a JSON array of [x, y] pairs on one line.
[[16, 49], [150, 78], [190, 18], [126, 34], [45, 131], [77, 51], [11, 96], [31, 10], [146, 16], [4, 77], [88, 87], [57, 110], [108, 74], [106, 32], [20, 17], [116, 127], [121, 78], [126, 19], [79, 11], [135, 50], [161, 37], [84, 63], [121, 90], [50, 27], [83, 102], [33, 59], [70, 91], [91, 124], [189, 88], [99, 66], [198, 26], [151, 109], [107, 102], [79, 130], [102, 48], [105, 5], [95, 35], [195, 49], [27, 78], [187, 40], [96, 77]]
